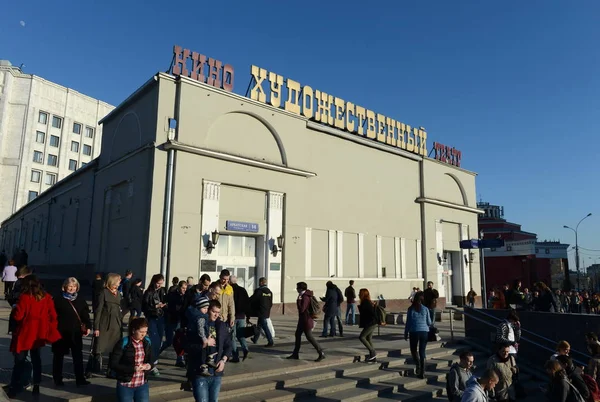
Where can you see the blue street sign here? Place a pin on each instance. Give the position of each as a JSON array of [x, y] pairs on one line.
[[469, 244], [491, 243], [247, 227], [475, 243]]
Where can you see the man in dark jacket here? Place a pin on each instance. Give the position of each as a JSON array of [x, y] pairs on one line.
[[330, 309], [338, 316], [305, 322], [241, 300], [219, 344], [350, 294], [430, 297], [261, 302]]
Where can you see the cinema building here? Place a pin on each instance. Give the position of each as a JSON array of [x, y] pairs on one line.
[[193, 178]]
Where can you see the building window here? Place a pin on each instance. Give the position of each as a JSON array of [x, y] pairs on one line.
[[38, 156], [56, 122], [72, 164], [35, 176], [74, 146], [32, 195], [43, 118], [508, 248], [547, 251], [54, 141], [87, 149], [77, 128], [50, 179], [89, 132], [52, 160], [40, 137], [537, 250]]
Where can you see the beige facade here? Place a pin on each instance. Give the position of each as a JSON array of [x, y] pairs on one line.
[[346, 206]]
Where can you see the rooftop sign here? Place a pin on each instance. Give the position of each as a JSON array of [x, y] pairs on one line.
[[204, 69], [316, 105], [444, 153]]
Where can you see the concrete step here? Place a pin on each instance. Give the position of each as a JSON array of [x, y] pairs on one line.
[[427, 392]]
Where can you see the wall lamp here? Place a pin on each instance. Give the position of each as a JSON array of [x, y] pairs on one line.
[[279, 246], [212, 242]]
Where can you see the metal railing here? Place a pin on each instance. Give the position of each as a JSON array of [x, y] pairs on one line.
[[452, 310]]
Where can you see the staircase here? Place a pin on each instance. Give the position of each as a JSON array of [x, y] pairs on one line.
[[339, 379], [343, 376]]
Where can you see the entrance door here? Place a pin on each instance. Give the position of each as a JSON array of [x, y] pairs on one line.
[[245, 276], [446, 276]]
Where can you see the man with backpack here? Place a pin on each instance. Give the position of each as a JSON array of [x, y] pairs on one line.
[[308, 310], [460, 373]]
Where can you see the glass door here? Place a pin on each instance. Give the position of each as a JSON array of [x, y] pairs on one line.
[[245, 276]]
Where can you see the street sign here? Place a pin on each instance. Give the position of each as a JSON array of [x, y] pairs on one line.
[[475, 243], [491, 243], [469, 244]]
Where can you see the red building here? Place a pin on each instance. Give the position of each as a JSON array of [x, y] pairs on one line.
[[523, 257]]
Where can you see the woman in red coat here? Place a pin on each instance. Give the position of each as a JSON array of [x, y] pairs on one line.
[[37, 326]]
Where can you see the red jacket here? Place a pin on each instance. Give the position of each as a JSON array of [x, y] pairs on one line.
[[304, 319], [37, 324]]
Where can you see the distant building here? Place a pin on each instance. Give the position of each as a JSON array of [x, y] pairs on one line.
[[47, 131], [523, 257]]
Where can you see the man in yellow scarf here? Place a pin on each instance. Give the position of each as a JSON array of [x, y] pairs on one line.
[[226, 299]]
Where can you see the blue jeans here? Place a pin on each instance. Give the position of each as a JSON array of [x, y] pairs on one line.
[[327, 321], [262, 323], [432, 315], [351, 309], [418, 345], [206, 389], [139, 394], [240, 325], [156, 331]]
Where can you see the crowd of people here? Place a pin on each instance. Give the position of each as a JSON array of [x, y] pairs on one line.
[[567, 381], [542, 298], [205, 320], [208, 324]]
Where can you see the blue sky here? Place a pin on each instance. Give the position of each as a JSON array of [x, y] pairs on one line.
[[515, 85]]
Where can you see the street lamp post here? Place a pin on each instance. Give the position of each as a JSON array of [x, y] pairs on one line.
[[577, 245]]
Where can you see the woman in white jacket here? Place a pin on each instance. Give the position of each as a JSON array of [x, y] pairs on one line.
[[478, 388]]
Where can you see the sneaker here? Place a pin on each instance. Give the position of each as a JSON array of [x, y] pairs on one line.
[[245, 355], [269, 345], [36, 390], [180, 363], [321, 357], [82, 383], [59, 383], [293, 356], [155, 372]]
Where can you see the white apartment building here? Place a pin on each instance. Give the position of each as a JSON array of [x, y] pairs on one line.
[[47, 131]]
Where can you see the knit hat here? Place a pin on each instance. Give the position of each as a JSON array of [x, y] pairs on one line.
[[200, 301]]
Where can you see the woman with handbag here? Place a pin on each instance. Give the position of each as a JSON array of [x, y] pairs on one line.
[[73, 324]]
